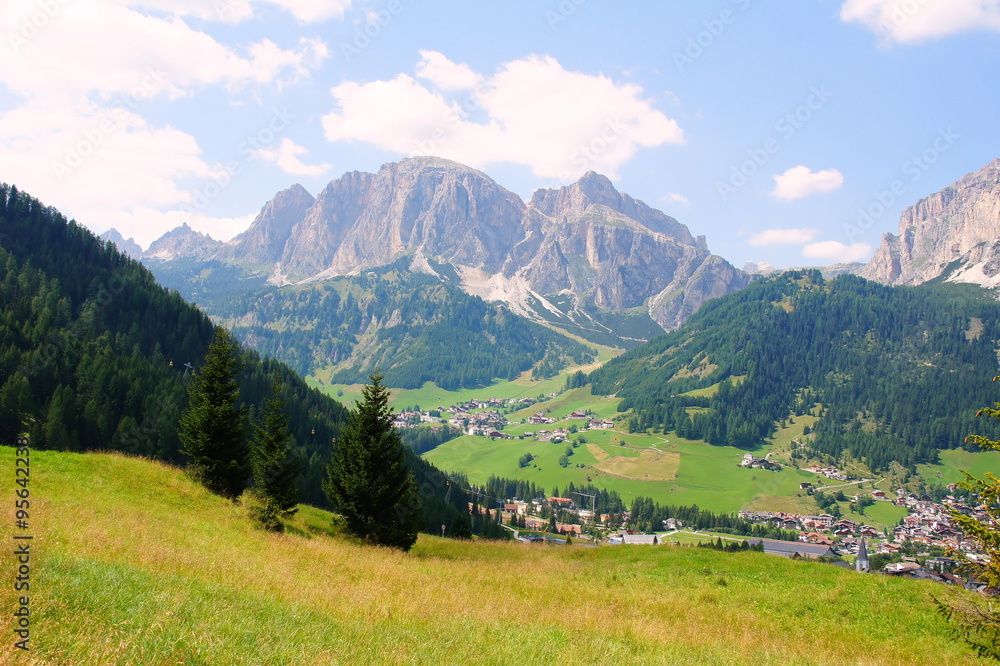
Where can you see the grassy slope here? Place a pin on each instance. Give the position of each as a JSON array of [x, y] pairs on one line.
[[707, 476], [136, 564], [977, 463]]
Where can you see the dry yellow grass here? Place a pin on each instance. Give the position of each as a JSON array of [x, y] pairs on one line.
[[137, 564], [648, 466]]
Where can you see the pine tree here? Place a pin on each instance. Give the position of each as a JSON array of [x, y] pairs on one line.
[[212, 431], [976, 623], [368, 481], [275, 466]]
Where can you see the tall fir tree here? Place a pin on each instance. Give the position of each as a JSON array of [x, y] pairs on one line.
[[275, 466], [975, 622], [212, 430], [368, 481]]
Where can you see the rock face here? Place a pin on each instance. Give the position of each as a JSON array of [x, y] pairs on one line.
[[618, 253], [954, 231], [270, 231], [125, 246], [183, 242], [586, 241]]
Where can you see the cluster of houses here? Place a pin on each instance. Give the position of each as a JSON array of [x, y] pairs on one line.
[[829, 472], [759, 463], [489, 422], [815, 529], [928, 523]]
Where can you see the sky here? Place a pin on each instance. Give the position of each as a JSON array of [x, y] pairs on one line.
[[790, 133]]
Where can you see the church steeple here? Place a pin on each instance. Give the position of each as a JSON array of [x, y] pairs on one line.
[[862, 565]]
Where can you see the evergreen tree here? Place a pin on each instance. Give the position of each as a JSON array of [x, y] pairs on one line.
[[14, 395], [275, 466], [976, 623], [368, 481], [212, 431]]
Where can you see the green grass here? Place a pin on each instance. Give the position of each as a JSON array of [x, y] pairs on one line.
[[978, 463], [708, 475], [136, 564]]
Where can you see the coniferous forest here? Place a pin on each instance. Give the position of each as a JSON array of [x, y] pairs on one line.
[[890, 369], [412, 327], [94, 355]]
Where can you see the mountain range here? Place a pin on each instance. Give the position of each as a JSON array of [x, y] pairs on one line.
[[587, 259], [568, 255]]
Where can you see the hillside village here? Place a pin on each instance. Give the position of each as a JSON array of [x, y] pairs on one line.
[[482, 418]]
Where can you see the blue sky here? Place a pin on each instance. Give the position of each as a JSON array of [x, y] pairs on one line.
[[792, 134]]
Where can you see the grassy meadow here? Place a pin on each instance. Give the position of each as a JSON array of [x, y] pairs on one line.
[[133, 563], [669, 469]]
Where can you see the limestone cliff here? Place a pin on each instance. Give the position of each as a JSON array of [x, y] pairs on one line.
[[955, 231]]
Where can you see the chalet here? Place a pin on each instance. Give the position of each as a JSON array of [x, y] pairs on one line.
[[578, 415], [533, 523], [561, 502], [794, 549], [568, 529], [594, 424], [496, 434], [638, 539], [805, 485]]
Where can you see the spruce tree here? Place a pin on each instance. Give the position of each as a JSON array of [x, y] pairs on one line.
[[275, 466], [977, 623], [212, 431], [368, 481]]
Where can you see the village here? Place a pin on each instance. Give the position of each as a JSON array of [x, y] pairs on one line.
[[914, 548], [483, 418]]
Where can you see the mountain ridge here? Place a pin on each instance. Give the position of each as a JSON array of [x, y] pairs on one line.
[[602, 248], [952, 234]]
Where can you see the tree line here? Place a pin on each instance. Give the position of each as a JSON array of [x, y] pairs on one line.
[[889, 366]]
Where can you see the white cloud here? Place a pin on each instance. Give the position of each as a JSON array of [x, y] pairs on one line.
[[82, 72], [559, 123], [312, 10], [837, 252], [62, 57], [445, 74], [287, 157], [915, 21], [800, 182], [783, 237], [675, 198], [93, 156]]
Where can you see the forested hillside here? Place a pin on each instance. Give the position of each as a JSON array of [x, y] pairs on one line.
[[413, 327], [94, 354], [899, 372]]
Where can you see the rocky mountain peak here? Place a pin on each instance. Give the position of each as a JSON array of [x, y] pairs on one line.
[[954, 231], [264, 240], [183, 241], [125, 246], [572, 202]]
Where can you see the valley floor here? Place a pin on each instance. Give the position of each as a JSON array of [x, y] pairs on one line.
[[135, 564]]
